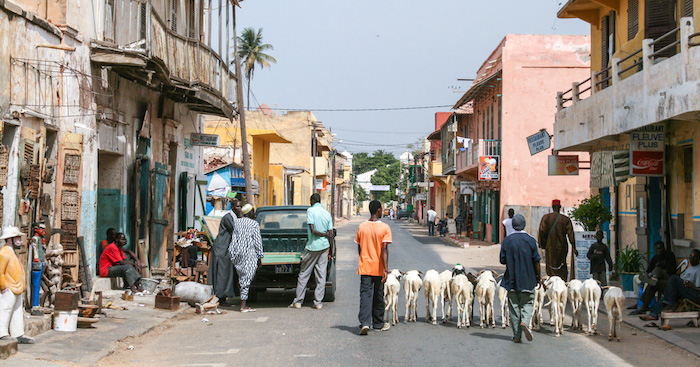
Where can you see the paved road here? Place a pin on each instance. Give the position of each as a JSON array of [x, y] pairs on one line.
[[276, 335]]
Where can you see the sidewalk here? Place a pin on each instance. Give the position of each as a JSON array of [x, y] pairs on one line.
[[85, 347], [420, 230]]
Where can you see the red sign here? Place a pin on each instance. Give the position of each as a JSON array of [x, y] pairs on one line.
[[647, 163]]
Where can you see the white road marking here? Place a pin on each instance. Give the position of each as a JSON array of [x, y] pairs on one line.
[[304, 355], [203, 365], [230, 351], [261, 319]]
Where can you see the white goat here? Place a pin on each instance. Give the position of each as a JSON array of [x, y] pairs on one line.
[[412, 283], [446, 294], [392, 286], [591, 299], [463, 294], [503, 298], [556, 292], [614, 300], [538, 302], [576, 299], [486, 291], [431, 287]]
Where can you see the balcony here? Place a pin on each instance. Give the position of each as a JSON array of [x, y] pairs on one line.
[[435, 169], [139, 46], [651, 85], [467, 160]]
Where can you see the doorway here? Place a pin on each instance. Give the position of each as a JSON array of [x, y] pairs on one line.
[[110, 199]]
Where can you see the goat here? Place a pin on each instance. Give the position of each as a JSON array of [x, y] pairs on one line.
[[486, 290], [538, 301], [503, 298], [412, 284], [463, 294], [614, 300], [392, 286], [556, 292], [576, 299], [431, 287], [446, 294], [590, 290]]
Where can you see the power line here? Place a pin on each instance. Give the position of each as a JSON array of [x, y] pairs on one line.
[[381, 132], [361, 109]]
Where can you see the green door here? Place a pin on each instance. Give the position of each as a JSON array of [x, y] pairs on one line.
[[159, 220]]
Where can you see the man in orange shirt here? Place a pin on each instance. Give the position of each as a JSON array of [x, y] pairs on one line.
[[373, 239], [12, 285]]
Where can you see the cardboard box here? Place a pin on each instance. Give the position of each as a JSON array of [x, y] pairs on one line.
[[167, 303], [66, 301]]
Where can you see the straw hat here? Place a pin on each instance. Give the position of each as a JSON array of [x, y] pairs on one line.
[[246, 208], [11, 232]]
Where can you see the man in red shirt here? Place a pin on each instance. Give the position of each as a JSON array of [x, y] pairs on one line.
[[114, 264]]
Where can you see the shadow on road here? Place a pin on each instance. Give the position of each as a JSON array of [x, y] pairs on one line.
[[492, 336], [350, 329]]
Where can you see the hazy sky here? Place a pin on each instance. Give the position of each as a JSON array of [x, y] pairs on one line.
[[373, 54]]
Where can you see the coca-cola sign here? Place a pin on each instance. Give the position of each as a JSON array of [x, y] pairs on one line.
[[647, 147]]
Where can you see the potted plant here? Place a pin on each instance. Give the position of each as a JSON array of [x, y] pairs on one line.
[[629, 263], [591, 213]]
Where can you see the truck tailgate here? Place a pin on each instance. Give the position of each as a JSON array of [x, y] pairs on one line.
[[276, 258]]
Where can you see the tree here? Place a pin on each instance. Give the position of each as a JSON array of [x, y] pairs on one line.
[[251, 50], [387, 175]]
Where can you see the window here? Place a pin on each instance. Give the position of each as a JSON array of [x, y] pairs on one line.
[[688, 8], [191, 19], [660, 18], [632, 19], [173, 15], [688, 164]]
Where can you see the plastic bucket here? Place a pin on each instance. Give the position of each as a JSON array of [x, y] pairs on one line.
[[65, 320], [149, 284]]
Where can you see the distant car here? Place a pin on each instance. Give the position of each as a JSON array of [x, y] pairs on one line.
[[404, 213], [386, 212]]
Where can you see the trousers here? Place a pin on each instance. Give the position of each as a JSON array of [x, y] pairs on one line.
[[315, 262], [431, 229], [651, 290], [11, 314], [371, 301], [520, 307], [246, 266], [675, 291], [127, 272]]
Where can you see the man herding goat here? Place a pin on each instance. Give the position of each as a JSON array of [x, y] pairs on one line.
[[519, 255]]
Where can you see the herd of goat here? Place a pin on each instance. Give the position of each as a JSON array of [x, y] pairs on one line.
[[453, 285]]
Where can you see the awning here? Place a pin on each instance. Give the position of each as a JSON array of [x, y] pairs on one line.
[[475, 89], [435, 135]]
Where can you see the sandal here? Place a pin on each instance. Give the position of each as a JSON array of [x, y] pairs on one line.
[[651, 324], [665, 328]]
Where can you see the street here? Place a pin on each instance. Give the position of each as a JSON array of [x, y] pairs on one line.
[[276, 335]]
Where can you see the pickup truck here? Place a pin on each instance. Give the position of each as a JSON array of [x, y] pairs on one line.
[[284, 236]]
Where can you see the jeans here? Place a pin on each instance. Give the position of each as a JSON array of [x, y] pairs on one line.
[[520, 306], [125, 271], [651, 290], [371, 301], [431, 229], [675, 291]]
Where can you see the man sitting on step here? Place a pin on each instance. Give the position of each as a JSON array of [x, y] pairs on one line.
[[113, 263], [686, 286]]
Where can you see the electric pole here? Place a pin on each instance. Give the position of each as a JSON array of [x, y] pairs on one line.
[[241, 116]]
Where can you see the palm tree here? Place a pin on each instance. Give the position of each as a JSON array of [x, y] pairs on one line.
[[251, 50]]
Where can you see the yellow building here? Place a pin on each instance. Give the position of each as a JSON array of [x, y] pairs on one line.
[[637, 114]]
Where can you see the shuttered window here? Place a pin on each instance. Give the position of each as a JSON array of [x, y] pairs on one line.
[[633, 19], [192, 17], [688, 8], [173, 15], [659, 19], [604, 42]]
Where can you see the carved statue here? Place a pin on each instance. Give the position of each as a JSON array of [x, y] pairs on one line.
[[12, 286], [51, 279]]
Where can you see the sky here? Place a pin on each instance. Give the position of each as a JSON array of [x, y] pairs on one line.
[[381, 54]]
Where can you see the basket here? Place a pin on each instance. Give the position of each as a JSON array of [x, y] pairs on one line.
[[71, 173], [70, 205]]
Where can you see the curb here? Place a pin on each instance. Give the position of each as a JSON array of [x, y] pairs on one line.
[[669, 338], [454, 242]]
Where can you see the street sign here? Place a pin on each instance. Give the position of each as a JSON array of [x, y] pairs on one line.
[[647, 151], [562, 165], [379, 187], [422, 196], [539, 142], [207, 140]]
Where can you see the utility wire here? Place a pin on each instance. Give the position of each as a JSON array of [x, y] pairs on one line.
[[360, 109]]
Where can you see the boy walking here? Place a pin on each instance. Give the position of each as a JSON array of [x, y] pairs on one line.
[[599, 254], [373, 239]]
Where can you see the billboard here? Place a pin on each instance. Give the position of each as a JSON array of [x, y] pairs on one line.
[[489, 168]]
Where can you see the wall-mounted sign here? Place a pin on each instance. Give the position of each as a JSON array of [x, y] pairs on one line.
[[489, 168], [647, 151], [207, 140], [379, 187], [562, 165], [467, 187], [321, 184], [539, 142], [422, 196]]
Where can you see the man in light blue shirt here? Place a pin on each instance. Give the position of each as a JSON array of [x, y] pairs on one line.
[[319, 249]]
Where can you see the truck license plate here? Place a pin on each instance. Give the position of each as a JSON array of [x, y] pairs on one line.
[[283, 269]]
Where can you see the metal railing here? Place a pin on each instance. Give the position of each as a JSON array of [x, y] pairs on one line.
[[668, 47], [691, 43]]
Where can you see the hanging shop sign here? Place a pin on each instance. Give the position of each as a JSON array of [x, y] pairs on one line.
[[207, 140], [467, 187], [647, 151], [539, 142], [321, 184], [489, 168], [422, 196], [562, 165]]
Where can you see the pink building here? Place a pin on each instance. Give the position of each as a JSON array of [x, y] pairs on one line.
[[510, 100]]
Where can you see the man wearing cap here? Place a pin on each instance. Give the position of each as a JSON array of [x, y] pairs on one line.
[[519, 255], [319, 249], [555, 228], [12, 285]]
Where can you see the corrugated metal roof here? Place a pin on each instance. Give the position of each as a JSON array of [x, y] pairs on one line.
[[474, 90]]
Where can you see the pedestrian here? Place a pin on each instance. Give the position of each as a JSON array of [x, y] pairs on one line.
[[522, 260], [599, 254], [319, 250], [555, 228], [508, 223], [373, 238], [246, 250], [12, 287], [113, 263], [391, 214], [432, 215], [221, 275]]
